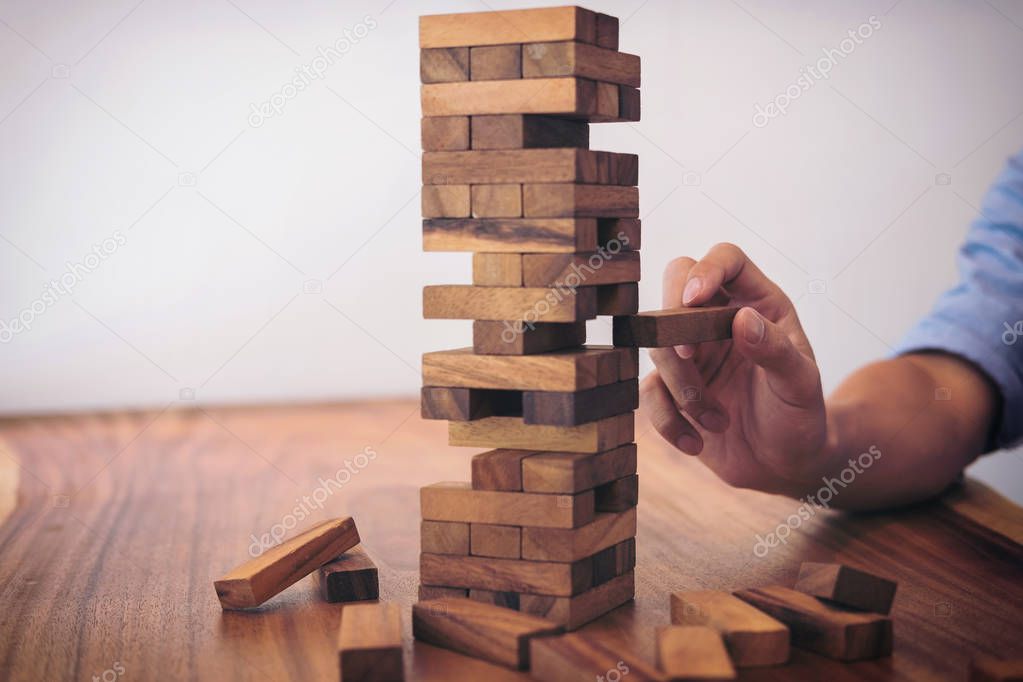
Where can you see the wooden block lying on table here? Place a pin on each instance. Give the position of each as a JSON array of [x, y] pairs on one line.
[[574, 269], [573, 657], [510, 235], [568, 200], [620, 233], [495, 201], [990, 669], [828, 630], [567, 370], [674, 327], [446, 201], [495, 62], [369, 643], [502, 542], [350, 577], [444, 537], [258, 579], [499, 469], [564, 472], [458, 502], [500, 166], [548, 60], [557, 544], [511, 432], [528, 131], [466, 302], [618, 299], [574, 612], [693, 652], [753, 637], [445, 133], [607, 31], [507, 575], [444, 64], [572, 408], [509, 338], [847, 586], [511, 26], [618, 495], [427, 592], [480, 630], [614, 561], [466, 404]]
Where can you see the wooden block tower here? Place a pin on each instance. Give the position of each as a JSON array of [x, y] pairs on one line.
[[548, 523]]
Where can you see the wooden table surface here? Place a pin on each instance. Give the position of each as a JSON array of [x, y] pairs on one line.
[[117, 525]]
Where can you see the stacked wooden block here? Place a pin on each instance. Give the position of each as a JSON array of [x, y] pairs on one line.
[[547, 525]]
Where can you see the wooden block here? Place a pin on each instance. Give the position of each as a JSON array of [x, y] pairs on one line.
[[499, 166], [526, 131], [350, 577], [693, 652], [674, 327], [575, 658], [466, 404], [495, 62], [508, 575], [574, 612], [620, 233], [607, 31], [446, 201], [445, 133], [573, 97], [427, 592], [618, 299], [444, 537], [567, 370], [547, 472], [556, 544], [459, 502], [369, 643], [753, 638], [596, 436], [990, 669], [499, 469], [828, 630], [444, 64], [258, 579], [511, 338], [618, 495], [479, 630], [508, 600], [562, 200], [847, 586], [629, 108], [466, 302], [628, 364], [502, 542], [576, 269], [508, 26], [497, 269], [504, 235], [572, 408], [548, 60], [605, 105], [614, 561], [496, 201]]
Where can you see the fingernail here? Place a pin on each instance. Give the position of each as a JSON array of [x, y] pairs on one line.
[[754, 328], [686, 351], [714, 421], [692, 289], [688, 444]]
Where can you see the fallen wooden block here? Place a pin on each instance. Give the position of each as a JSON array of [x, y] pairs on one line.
[[573, 657], [512, 432], [466, 404], [522, 166], [572, 408], [618, 495], [568, 370], [549, 60], [828, 630], [445, 133], [990, 669], [480, 630], [617, 299], [574, 612], [350, 577], [847, 586], [575, 472], [576, 269], [500, 469], [427, 592], [510, 338], [277, 568], [528, 131], [458, 502], [444, 64], [507, 575], [369, 643], [465, 302], [495, 62], [495, 201], [567, 200], [444, 537], [559, 544], [693, 652], [501, 542], [753, 638], [664, 328], [504, 235], [514, 26], [446, 201]]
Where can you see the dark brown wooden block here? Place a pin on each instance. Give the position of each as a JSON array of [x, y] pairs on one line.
[[526, 131], [495, 62], [350, 577], [369, 643], [753, 638], [571, 408], [847, 586], [466, 404], [567, 200], [628, 103], [576, 658], [577, 269], [560, 544], [693, 652], [444, 537], [607, 31], [499, 469], [444, 64], [620, 233], [550, 60], [674, 327], [510, 338], [614, 561], [507, 575], [509, 26], [529, 165], [445, 133], [515, 235], [561, 472], [618, 299], [618, 495]]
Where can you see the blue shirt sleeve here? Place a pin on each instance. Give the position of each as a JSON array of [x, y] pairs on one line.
[[981, 318]]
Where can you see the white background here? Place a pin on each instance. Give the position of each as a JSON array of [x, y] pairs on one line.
[[107, 107]]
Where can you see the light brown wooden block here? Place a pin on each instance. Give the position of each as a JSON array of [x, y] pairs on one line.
[[508, 26], [847, 586], [526, 131], [548, 60], [614, 561], [466, 302], [676, 326], [618, 299], [693, 652], [444, 537], [497, 269], [575, 97], [576, 658], [629, 107], [529, 165], [255, 581], [618, 495], [577, 269], [546, 472], [990, 669], [445, 133], [502, 542], [607, 31], [444, 64], [459, 502], [564, 200], [350, 577], [507, 575], [753, 638], [495, 62], [504, 235], [574, 612], [496, 201], [427, 592], [499, 469], [556, 544], [514, 338], [596, 436], [466, 404], [446, 201], [623, 234], [567, 370], [828, 630], [369, 643], [480, 630], [573, 408]]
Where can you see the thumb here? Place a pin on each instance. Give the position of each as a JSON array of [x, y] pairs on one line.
[[792, 376]]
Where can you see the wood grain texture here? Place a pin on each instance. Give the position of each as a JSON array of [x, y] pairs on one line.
[[575, 657], [502, 542], [568, 200], [351, 577], [444, 64], [618, 495], [563, 472], [445, 133], [495, 62], [528, 131], [503, 235], [496, 201], [480, 630], [529, 165], [607, 31], [509, 26], [573, 408], [458, 502], [446, 201], [497, 269], [281, 566], [512, 432], [574, 612], [664, 328], [444, 537], [512, 575], [9, 475], [982, 505], [542, 269], [557, 544], [509, 338], [499, 469], [847, 586], [529, 304], [573, 97], [548, 60], [753, 638], [370, 643], [566, 370], [466, 404], [693, 652]]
